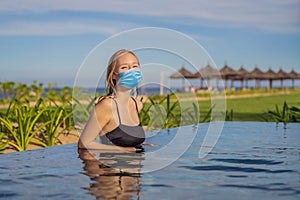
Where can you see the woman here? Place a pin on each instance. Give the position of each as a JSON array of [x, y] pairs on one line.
[[116, 116]]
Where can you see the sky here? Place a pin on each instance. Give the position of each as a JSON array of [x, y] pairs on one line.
[[49, 40]]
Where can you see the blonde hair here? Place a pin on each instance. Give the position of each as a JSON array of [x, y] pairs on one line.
[[111, 68]]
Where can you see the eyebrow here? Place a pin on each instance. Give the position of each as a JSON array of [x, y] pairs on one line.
[[129, 63]]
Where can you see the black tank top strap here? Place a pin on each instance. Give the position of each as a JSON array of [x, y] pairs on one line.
[[117, 110], [137, 110]]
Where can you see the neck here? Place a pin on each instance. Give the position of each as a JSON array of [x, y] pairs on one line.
[[123, 93]]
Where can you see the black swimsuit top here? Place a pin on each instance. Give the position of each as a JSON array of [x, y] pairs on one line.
[[124, 135]]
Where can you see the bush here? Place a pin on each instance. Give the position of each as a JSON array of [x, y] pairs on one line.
[[286, 114]]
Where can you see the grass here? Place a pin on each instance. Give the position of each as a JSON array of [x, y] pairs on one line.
[[254, 108], [240, 108]]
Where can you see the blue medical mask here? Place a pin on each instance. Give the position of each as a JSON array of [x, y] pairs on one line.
[[130, 78]]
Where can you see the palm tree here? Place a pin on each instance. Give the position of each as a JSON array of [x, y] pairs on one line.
[[7, 89], [37, 89], [21, 91]]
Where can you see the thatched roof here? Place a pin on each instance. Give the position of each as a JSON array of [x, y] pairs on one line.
[[243, 71], [269, 75], [282, 75], [183, 73], [293, 75], [208, 72], [227, 72], [242, 74], [256, 73]]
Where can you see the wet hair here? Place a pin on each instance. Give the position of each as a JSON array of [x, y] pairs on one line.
[[111, 68]]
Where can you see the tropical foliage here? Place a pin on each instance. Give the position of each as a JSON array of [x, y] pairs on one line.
[[286, 114], [3, 144], [35, 123], [166, 112], [39, 116], [34, 115]]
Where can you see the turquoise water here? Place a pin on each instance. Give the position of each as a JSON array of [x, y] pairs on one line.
[[250, 161]]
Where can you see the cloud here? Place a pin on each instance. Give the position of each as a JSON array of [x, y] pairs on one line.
[[270, 15], [60, 28]]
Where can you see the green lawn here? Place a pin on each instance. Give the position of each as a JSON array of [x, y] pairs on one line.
[[253, 108]]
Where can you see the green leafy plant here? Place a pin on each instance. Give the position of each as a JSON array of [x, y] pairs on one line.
[[53, 118], [81, 111], [160, 113], [280, 115], [190, 115], [229, 115], [295, 114], [207, 117], [285, 115], [21, 124], [3, 143], [172, 117]]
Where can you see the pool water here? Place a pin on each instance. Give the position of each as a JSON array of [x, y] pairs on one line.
[[251, 160]]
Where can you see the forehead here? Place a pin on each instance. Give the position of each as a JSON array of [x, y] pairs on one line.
[[127, 59]]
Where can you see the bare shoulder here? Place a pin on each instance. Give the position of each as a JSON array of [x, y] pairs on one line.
[[104, 105]]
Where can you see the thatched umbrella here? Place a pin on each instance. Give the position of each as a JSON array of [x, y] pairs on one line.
[[257, 75], [282, 75], [293, 75], [208, 73], [243, 73], [228, 73], [183, 74], [242, 76], [269, 75]]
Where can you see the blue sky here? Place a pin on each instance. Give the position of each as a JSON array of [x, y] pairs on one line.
[[48, 40]]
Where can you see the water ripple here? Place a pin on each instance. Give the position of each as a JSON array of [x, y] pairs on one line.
[[237, 176], [157, 185], [7, 194], [261, 187], [231, 169], [34, 177], [248, 161]]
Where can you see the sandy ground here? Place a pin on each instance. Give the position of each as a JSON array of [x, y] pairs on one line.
[[72, 137]]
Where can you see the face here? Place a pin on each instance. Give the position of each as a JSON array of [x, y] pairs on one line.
[[126, 62]]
